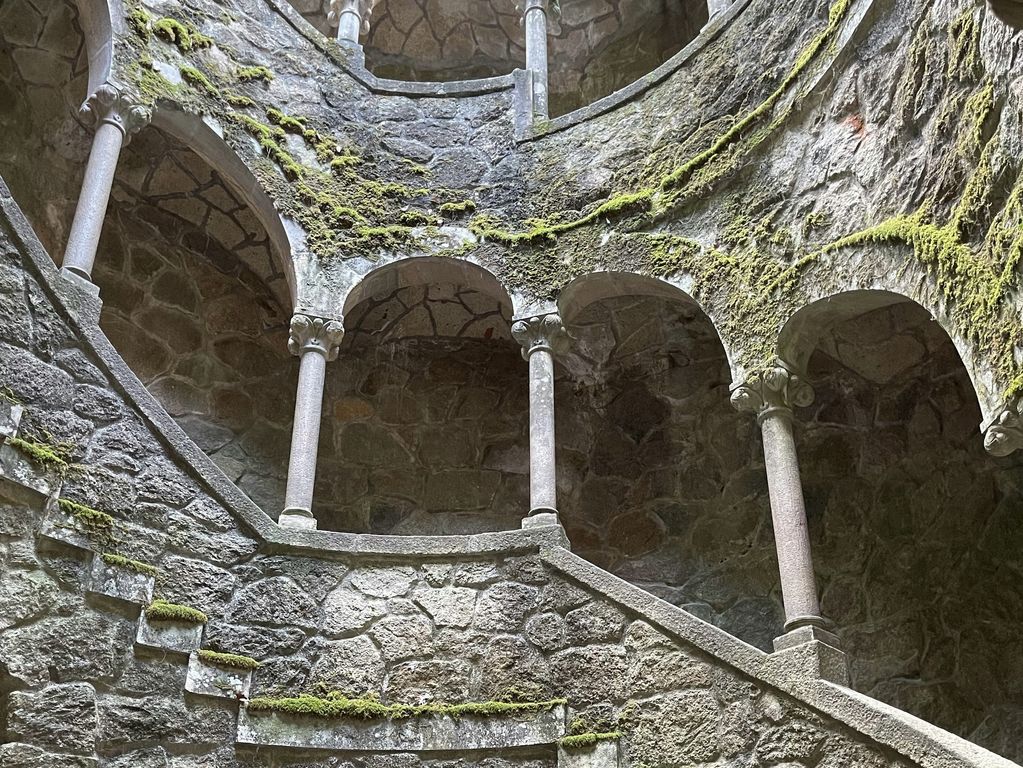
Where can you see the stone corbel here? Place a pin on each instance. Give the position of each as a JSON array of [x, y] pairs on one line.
[[1004, 433], [774, 388], [541, 332], [110, 106], [315, 334]]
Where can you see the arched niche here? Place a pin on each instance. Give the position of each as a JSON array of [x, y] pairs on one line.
[[197, 304], [659, 477], [595, 46], [425, 411], [915, 529]]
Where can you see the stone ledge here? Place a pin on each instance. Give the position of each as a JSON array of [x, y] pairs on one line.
[[22, 480], [176, 637], [215, 681], [424, 734], [603, 754], [121, 584]]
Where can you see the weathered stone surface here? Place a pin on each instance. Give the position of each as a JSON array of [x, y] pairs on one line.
[[594, 623], [503, 607], [546, 631], [192, 582], [676, 729], [23, 595], [15, 755], [590, 674], [515, 669], [420, 682], [384, 582], [448, 606], [403, 636], [257, 642], [354, 666], [347, 611], [61, 718], [277, 601]]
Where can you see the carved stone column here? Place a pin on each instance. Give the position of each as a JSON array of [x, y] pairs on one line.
[[315, 341], [771, 395], [1004, 433], [534, 18], [352, 17], [540, 337], [117, 119]]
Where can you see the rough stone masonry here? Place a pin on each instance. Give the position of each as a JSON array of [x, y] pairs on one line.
[[576, 384]]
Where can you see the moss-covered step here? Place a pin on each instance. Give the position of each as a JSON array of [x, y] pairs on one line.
[[261, 724], [121, 579], [77, 525], [170, 628], [219, 675], [10, 416], [21, 478], [579, 753]]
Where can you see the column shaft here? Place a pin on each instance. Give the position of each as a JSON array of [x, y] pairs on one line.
[[80, 254], [714, 7], [305, 433], [542, 467], [536, 53], [788, 511], [349, 25]]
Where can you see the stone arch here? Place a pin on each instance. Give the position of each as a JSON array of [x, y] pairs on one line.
[[207, 142], [98, 19], [424, 270], [802, 332], [909, 517], [425, 410], [659, 479]]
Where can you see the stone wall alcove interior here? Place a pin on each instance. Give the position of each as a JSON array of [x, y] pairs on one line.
[[424, 427], [661, 480], [915, 529], [595, 46]]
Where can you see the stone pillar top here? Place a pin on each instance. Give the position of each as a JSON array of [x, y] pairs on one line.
[[315, 334], [775, 388], [545, 332], [362, 8], [1004, 433], [109, 105]]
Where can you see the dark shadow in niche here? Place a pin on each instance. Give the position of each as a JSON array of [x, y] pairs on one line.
[[915, 529], [425, 412], [661, 480]]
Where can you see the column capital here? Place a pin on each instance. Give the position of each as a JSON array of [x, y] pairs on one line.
[[771, 389], [315, 334], [1004, 433], [109, 104], [362, 8], [540, 332]]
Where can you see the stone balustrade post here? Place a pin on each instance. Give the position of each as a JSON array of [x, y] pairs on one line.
[[351, 17], [540, 337], [315, 341], [771, 395], [535, 21], [714, 7], [1004, 433], [117, 119]]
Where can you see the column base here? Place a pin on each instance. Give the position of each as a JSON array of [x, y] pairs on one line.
[[294, 517], [541, 516], [811, 652], [81, 279]]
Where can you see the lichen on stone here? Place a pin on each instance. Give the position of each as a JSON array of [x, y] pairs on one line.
[[231, 660], [336, 705], [120, 561], [162, 610]]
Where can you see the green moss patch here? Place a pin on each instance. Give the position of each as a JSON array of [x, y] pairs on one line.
[[231, 660], [161, 610], [250, 74], [183, 34], [197, 79], [120, 561], [585, 740], [335, 705], [52, 457]]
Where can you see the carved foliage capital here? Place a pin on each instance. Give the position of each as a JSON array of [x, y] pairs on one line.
[[315, 334], [775, 387], [540, 332], [364, 8], [110, 105], [1004, 434]]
